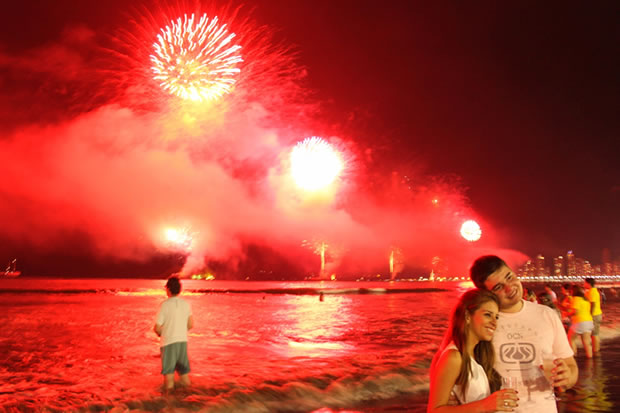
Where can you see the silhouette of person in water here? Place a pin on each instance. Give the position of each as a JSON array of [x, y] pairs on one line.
[[173, 321]]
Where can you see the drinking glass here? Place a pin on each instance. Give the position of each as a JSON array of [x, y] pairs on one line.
[[510, 382], [548, 364]]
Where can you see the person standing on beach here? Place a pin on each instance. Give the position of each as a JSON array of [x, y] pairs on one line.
[[581, 321], [593, 295], [529, 295], [527, 333], [545, 298], [566, 304], [552, 294], [173, 321], [463, 365]]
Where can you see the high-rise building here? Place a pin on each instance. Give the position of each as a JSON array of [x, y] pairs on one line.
[[606, 267], [527, 270], [580, 266], [571, 264], [558, 266], [540, 265]]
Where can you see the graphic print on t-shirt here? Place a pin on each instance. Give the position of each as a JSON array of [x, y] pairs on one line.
[[513, 353], [517, 347]]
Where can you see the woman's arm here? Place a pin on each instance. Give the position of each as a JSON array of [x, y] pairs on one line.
[[572, 309], [443, 379]]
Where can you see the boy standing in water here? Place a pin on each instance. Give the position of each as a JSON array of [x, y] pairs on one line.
[[173, 321]]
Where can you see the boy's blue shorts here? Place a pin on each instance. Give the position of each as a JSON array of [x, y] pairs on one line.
[[174, 357]]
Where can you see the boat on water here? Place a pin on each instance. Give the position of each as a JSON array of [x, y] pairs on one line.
[[11, 270]]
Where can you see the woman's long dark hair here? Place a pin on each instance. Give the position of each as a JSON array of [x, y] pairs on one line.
[[484, 354]]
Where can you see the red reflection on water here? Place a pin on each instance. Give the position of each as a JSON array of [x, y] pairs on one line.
[[316, 327]]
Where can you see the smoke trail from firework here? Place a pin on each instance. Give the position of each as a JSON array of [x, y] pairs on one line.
[[194, 60], [56, 187]]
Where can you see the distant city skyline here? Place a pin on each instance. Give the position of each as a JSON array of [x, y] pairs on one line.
[[570, 265]]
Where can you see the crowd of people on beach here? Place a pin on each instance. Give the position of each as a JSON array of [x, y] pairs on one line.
[[579, 309]]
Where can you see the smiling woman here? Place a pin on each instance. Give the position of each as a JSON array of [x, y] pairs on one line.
[[463, 365]]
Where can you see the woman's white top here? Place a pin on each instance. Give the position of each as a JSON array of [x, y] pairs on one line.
[[478, 387]]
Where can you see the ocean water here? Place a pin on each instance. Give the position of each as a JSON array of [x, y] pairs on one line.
[[88, 345]]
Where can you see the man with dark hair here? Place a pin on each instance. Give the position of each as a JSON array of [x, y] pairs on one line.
[[174, 319], [593, 295], [525, 331]]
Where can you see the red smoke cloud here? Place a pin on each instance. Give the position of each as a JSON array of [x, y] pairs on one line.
[[121, 175]]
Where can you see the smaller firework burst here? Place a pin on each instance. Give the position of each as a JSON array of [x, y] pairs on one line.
[[470, 230], [179, 238], [195, 59]]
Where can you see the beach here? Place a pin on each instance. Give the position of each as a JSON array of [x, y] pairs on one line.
[[88, 345]]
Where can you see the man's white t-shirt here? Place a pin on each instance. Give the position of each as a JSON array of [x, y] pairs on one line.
[[172, 316], [519, 340]]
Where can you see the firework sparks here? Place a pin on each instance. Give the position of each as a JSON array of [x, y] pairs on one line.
[[179, 238], [315, 164], [195, 60], [470, 230], [397, 262]]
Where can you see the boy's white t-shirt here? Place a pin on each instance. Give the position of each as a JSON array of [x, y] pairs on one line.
[[519, 340], [172, 316]]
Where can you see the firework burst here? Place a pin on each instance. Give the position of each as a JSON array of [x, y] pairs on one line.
[[315, 164], [265, 74], [470, 230], [194, 59], [180, 239]]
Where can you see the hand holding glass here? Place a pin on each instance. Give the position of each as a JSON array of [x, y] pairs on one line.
[[548, 364]]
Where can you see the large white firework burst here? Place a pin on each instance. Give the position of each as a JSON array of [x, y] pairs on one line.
[[196, 60], [315, 164]]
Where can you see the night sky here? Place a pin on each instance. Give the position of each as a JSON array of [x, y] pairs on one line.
[[516, 103]]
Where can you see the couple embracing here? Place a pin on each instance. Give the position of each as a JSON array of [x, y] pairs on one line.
[[492, 355]]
